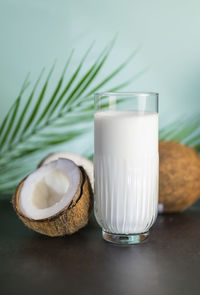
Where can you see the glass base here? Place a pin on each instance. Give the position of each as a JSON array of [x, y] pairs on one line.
[[122, 239]]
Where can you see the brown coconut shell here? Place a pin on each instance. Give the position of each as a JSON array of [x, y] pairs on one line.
[[179, 179], [67, 221]]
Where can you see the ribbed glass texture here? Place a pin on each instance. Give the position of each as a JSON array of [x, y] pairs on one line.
[[127, 208], [126, 162]]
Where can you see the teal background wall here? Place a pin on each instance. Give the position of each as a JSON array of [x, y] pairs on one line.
[[36, 32]]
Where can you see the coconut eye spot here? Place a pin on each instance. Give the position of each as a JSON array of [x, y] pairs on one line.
[[50, 189]]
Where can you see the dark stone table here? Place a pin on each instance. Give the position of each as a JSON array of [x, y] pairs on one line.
[[167, 263]]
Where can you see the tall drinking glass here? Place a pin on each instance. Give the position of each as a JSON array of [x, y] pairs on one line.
[[126, 165]]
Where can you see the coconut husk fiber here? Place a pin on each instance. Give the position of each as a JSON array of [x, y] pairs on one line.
[[68, 220], [179, 178]]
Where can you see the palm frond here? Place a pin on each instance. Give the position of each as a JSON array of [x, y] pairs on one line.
[[88, 77], [184, 130], [69, 84], [43, 122], [114, 73], [25, 109], [9, 120], [56, 91], [36, 109]]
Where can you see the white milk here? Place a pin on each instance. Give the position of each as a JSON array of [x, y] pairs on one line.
[[126, 170]]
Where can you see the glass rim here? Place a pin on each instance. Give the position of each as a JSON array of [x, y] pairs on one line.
[[135, 93]]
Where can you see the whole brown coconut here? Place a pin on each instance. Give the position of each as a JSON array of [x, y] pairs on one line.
[[179, 179]]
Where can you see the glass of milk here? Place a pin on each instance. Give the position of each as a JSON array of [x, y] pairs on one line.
[[126, 165]]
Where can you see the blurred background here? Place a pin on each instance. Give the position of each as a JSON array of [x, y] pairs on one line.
[[36, 33]]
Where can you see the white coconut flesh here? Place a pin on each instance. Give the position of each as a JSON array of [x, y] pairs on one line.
[[49, 189], [77, 159]]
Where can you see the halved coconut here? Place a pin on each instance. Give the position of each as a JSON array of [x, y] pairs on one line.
[[56, 199], [77, 159]]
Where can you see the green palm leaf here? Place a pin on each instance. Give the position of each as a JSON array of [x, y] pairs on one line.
[[69, 84], [26, 107], [39, 101], [58, 87], [186, 131], [88, 77], [9, 120], [40, 123], [114, 73]]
